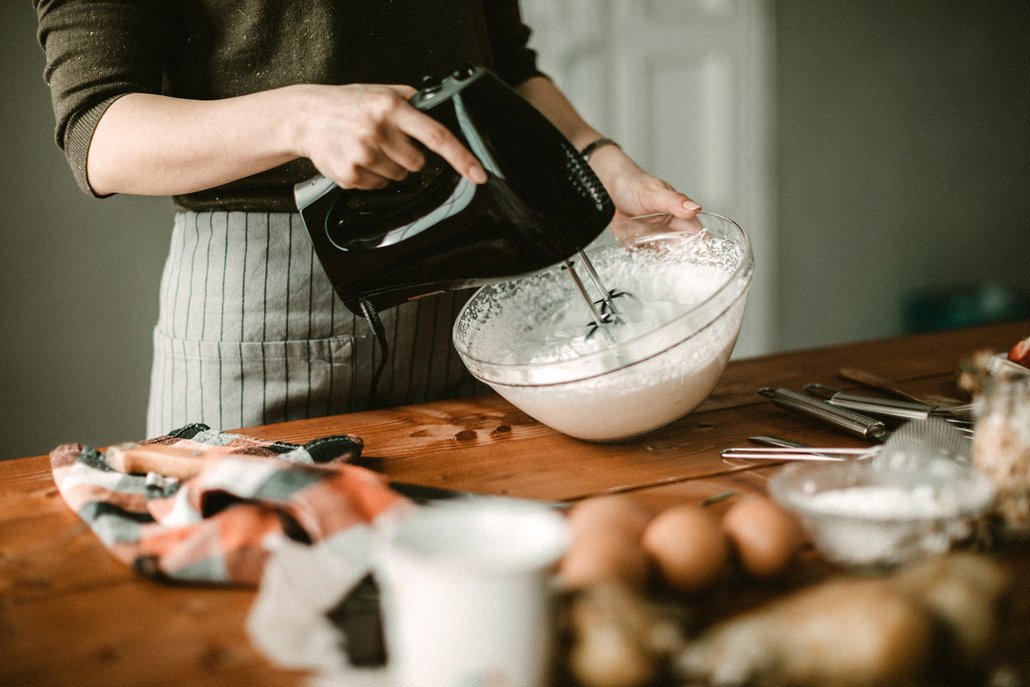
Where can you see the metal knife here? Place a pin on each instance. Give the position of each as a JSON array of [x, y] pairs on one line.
[[886, 407]]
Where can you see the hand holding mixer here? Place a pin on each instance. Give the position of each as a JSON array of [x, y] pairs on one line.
[[436, 231]]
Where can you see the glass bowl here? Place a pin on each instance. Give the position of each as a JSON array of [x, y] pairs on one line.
[[532, 340], [878, 514]]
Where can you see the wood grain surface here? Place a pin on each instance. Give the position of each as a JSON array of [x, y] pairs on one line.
[[70, 614]]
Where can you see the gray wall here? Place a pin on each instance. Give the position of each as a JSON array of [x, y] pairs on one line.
[[78, 277], [902, 158], [903, 164]]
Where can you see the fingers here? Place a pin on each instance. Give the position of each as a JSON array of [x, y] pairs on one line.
[[413, 123], [629, 230], [439, 139], [690, 225], [367, 172], [399, 150], [394, 160], [667, 199], [384, 141], [635, 192], [403, 90], [689, 206], [383, 153], [397, 156], [366, 180]]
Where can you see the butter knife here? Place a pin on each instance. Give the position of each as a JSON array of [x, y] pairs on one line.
[[889, 407]]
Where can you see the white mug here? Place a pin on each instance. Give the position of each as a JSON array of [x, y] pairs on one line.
[[466, 589]]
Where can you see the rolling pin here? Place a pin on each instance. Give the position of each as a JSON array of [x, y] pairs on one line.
[[171, 461]]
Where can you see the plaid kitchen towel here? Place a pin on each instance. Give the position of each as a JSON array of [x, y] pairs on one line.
[[221, 525]]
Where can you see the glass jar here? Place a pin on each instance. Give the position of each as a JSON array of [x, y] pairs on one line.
[[1001, 449]]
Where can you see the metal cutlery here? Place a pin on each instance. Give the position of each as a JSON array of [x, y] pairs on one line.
[[769, 451], [800, 453], [775, 441], [891, 408], [930, 438], [876, 382], [855, 423]]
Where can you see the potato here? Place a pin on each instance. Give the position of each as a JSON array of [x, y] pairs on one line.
[[620, 638], [934, 618], [842, 633], [965, 591]]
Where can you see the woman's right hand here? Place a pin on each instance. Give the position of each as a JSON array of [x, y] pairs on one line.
[[364, 136], [360, 136]]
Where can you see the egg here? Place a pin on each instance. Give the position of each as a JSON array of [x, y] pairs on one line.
[[605, 546], [603, 556], [688, 547], [763, 535], [616, 512]]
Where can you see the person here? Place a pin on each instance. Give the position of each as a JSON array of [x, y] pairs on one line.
[[225, 107]]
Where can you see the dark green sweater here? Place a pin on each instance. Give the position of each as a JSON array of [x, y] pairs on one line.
[[99, 50]]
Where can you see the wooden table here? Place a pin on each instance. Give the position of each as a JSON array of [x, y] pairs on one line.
[[71, 614]]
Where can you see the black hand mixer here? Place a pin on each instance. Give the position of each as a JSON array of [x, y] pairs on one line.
[[436, 231]]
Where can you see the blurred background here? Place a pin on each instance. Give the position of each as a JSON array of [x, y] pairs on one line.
[[877, 152]]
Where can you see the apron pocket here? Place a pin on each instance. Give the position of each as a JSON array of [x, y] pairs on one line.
[[238, 384]]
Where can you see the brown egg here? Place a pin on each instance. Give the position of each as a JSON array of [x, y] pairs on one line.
[[618, 512], [764, 536], [603, 556], [688, 546]]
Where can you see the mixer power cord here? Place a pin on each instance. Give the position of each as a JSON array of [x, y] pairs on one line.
[[372, 316]]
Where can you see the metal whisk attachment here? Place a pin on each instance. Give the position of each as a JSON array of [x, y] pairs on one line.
[[603, 310]]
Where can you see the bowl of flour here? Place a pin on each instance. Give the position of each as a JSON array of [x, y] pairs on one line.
[[876, 513], [534, 342]]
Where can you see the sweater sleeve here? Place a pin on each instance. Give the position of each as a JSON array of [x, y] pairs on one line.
[[514, 60], [96, 51]]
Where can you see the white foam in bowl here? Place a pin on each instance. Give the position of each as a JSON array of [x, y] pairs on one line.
[[528, 340]]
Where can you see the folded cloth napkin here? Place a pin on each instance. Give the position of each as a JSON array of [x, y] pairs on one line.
[[222, 525]]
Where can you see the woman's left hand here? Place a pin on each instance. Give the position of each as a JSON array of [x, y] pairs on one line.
[[634, 191]]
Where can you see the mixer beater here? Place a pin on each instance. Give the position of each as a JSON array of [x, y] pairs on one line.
[[603, 311]]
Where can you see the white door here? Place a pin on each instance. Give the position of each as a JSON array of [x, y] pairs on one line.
[[685, 87]]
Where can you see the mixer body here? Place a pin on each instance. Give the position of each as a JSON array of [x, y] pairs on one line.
[[436, 231]]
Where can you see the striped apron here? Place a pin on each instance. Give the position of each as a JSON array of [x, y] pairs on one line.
[[250, 332]]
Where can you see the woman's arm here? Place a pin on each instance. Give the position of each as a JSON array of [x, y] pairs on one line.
[[634, 191], [358, 135], [106, 63]]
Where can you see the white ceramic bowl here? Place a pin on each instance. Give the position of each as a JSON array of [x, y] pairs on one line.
[[873, 514], [688, 286]]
